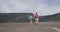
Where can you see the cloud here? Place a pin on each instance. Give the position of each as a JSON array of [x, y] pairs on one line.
[[43, 7], [52, 2], [13, 6]]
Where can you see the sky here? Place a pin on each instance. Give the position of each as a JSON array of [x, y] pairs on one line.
[[42, 7]]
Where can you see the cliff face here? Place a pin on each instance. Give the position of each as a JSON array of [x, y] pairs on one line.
[[55, 17], [22, 17], [13, 17]]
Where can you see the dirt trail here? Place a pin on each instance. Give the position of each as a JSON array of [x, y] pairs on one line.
[[26, 27]]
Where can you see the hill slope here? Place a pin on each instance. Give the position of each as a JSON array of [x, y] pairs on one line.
[[22, 17]]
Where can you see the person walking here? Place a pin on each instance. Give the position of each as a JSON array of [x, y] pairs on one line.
[[30, 19], [36, 18]]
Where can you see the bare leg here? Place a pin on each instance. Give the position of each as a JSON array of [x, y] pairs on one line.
[[30, 21], [36, 20]]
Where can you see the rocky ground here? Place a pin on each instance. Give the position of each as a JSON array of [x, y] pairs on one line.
[[26, 27]]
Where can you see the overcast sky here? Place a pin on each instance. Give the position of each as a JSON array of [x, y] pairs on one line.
[[43, 7]]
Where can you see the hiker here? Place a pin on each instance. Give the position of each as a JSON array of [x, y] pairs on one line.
[[36, 18], [30, 19]]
